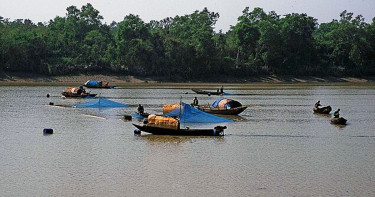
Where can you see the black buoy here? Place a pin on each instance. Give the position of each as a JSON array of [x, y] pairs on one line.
[[47, 95], [127, 117], [51, 103], [137, 131], [47, 131]]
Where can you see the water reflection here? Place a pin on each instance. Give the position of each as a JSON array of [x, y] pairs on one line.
[[165, 139]]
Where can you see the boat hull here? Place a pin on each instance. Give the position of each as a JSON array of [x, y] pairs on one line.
[[69, 94], [232, 111], [103, 87], [323, 110], [199, 91], [217, 131]]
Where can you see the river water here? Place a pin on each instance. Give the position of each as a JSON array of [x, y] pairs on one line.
[[276, 147]]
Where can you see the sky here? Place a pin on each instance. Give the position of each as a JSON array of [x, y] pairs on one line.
[[229, 10]]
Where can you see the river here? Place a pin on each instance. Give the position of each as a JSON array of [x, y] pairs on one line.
[[276, 147]]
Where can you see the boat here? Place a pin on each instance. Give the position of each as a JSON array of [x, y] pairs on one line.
[[141, 115], [231, 111], [97, 84], [199, 91], [77, 93], [160, 125], [339, 121], [223, 106], [156, 130], [323, 110]]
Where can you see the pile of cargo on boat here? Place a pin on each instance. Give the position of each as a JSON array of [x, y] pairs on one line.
[[77, 92]]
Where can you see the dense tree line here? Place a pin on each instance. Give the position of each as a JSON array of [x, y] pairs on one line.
[[187, 47]]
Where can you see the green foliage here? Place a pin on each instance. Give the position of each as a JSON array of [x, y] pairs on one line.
[[187, 47]]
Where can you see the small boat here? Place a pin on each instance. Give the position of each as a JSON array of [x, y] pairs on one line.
[[160, 125], [223, 106], [141, 115], [323, 110], [216, 131], [339, 121], [213, 110], [77, 93], [97, 84], [199, 91]]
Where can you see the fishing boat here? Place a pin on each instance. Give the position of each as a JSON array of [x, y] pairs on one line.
[[141, 115], [339, 121], [223, 106], [199, 91], [97, 84], [230, 111], [323, 110], [169, 123], [77, 93], [158, 130]]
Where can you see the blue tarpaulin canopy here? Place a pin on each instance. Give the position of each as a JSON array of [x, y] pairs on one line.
[[100, 103], [93, 83], [224, 103], [190, 114]]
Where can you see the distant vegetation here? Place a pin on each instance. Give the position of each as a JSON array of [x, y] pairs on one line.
[[187, 47]]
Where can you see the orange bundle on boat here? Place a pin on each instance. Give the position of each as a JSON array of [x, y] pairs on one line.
[[169, 107], [161, 121], [73, 90], [151, 119]]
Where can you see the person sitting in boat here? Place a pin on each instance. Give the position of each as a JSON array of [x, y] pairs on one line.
[[140, 109], [106, 84], [336, 114], [195, 102], [317, 105], [81, 90]]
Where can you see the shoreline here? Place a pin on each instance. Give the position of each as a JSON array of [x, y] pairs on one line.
[[24, 79]]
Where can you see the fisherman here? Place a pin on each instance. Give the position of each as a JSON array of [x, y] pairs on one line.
[[336, 114], [140, 109], [81, 90], [222, 89], [317, 104], [195, 102]]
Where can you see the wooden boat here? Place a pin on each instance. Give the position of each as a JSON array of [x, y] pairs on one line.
[[103, 87], [142, 115], [216, 131], [82, 95], [231, 111], [323, 110], [97, 84], [199, 91], [339, 121], [77, 93]]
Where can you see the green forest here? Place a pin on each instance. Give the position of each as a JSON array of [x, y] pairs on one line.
[[187, 47]]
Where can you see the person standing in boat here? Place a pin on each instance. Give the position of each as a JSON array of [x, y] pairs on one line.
[[222, 90], [195, 101], [317, 105], [336, 114]]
